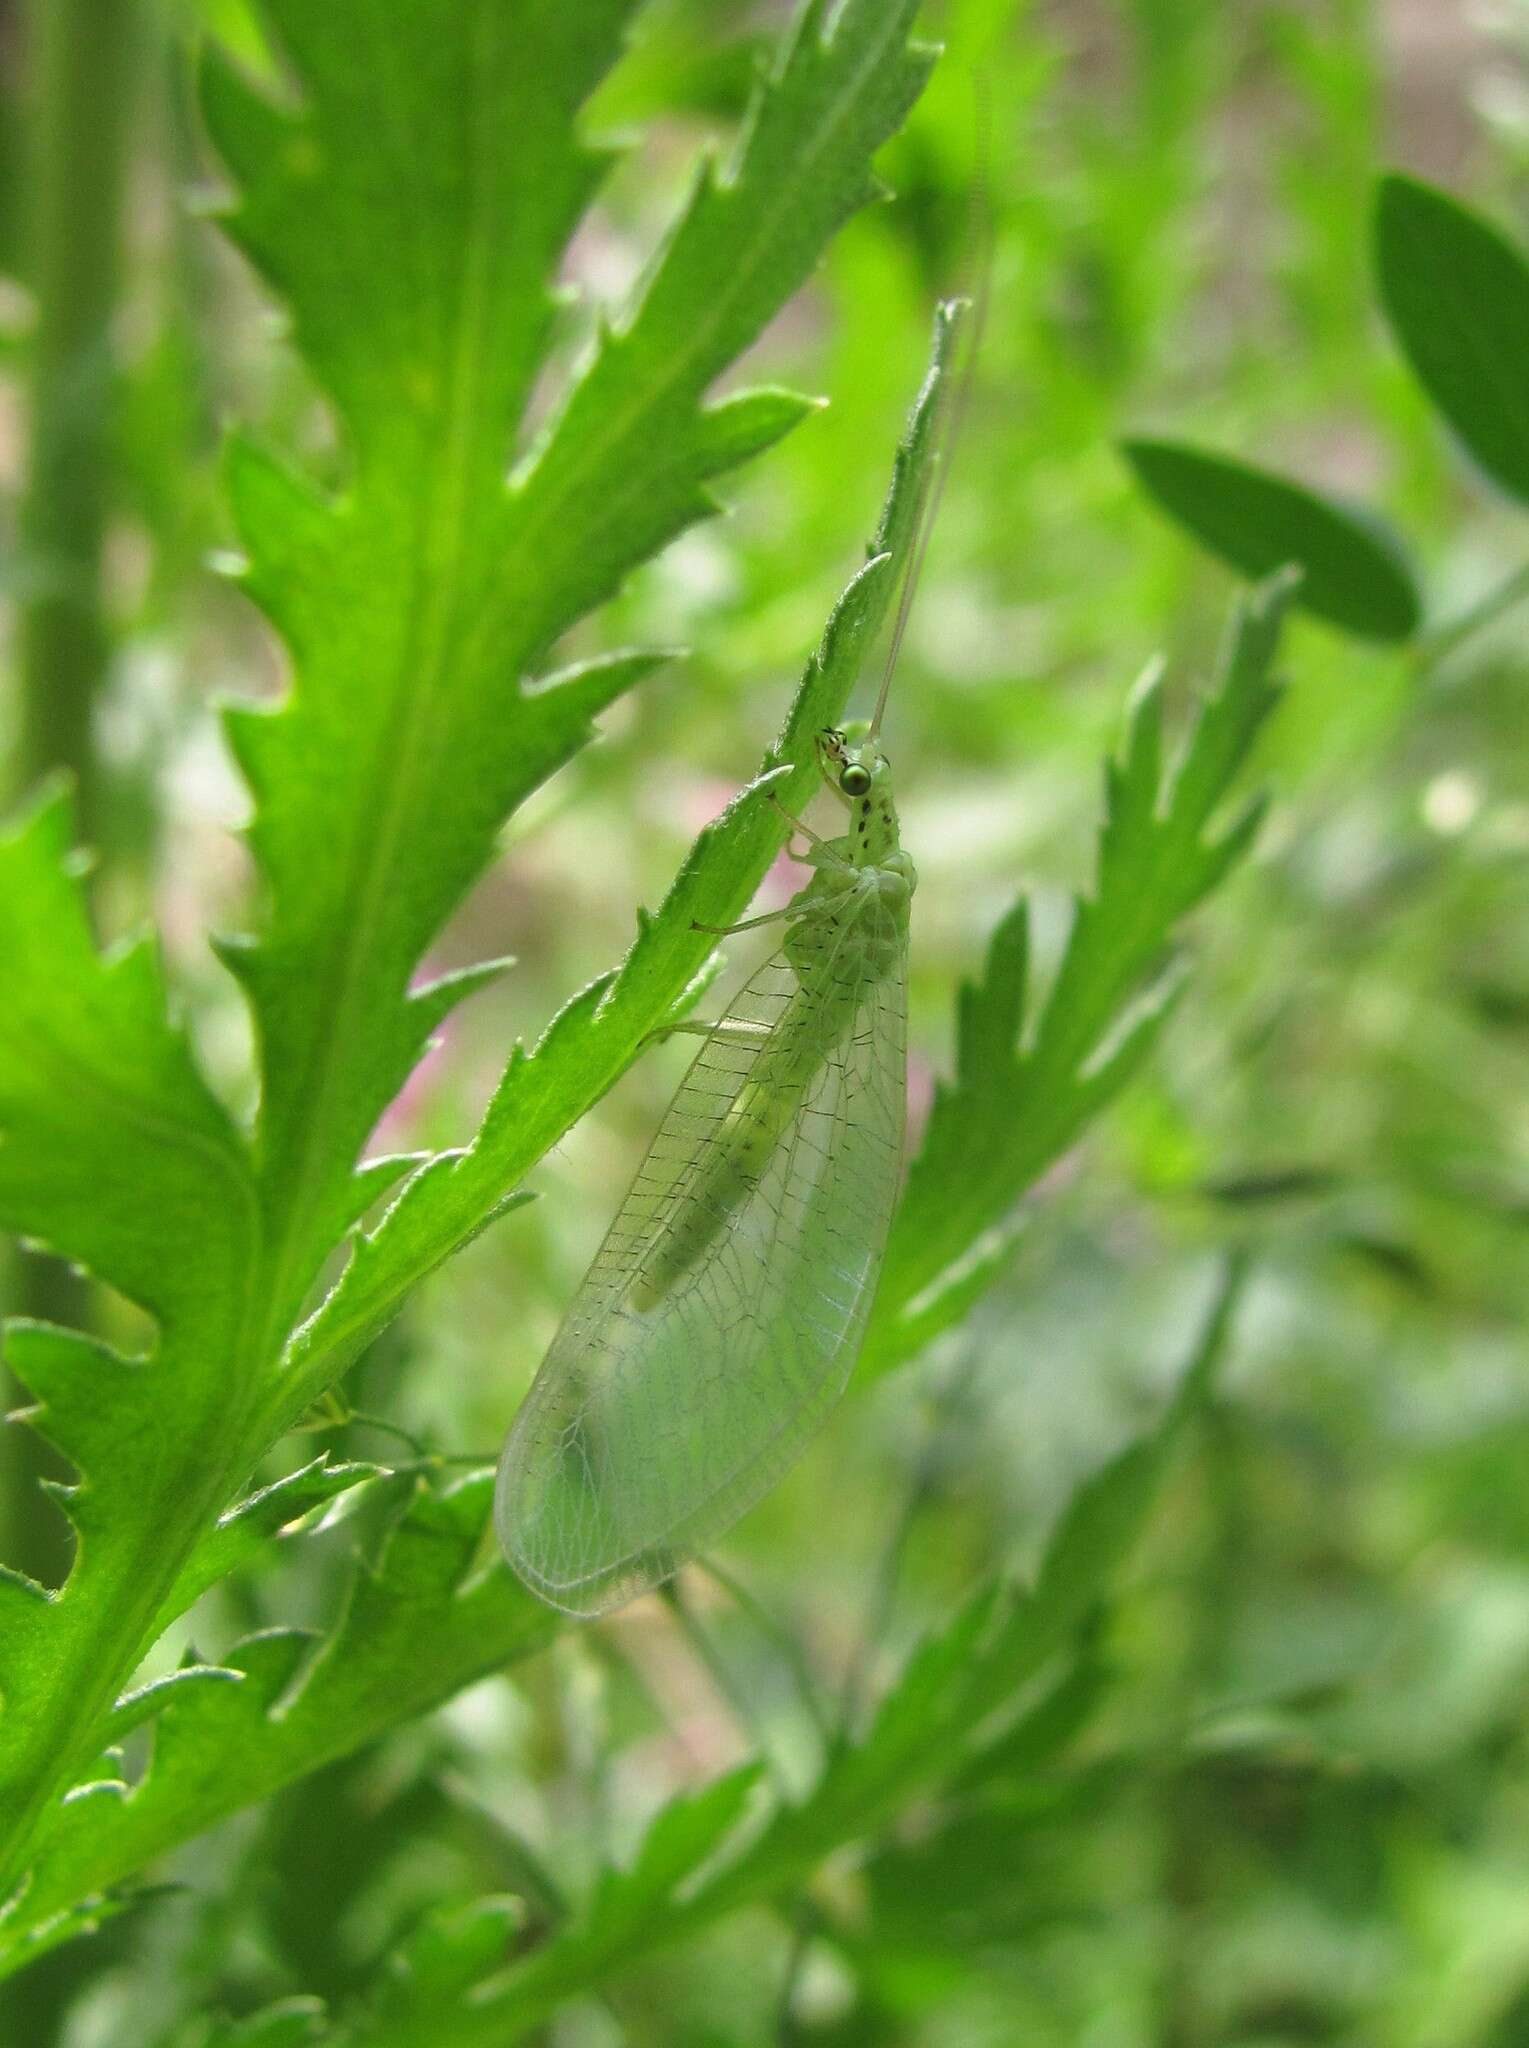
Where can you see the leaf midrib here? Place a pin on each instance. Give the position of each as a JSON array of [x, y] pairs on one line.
[[1490, 365], [419, 672]]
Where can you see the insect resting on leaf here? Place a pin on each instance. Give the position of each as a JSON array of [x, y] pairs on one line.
[[723, 1314]]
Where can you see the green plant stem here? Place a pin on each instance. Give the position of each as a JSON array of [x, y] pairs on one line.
[[80, 62], [916, 1495], [1189, 1799], [1438, 645], [922, 1483], [720, 1673], [787, 2029], [82, 52], [781, 1641]]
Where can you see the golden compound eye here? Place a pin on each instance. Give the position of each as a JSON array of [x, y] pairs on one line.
[[855, 780]]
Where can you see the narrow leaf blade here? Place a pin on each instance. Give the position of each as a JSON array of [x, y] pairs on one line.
[[1456, 292], [1354, 573]]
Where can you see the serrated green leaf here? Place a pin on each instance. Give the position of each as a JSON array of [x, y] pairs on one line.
[[420, 1998], [1456, 291], [1354, 571], [242, 1534], [680, 1843], [419, 605], [1030, 1076], [140, 1706], [589, 1044], [421, 1624], [453, 1948], [79, 1921], [114, 1149], [1017, 1749], [447, 140], [114, 1152], [294, 2023], [415, 2006]]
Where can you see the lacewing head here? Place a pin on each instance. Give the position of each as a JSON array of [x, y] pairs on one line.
[[852, 764]]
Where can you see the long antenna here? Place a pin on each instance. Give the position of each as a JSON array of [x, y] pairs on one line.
[[978, 263]]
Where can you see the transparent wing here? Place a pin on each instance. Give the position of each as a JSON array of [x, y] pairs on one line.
[[722, 1315]]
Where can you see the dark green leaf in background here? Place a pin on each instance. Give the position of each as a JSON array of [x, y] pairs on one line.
[[1354, 574], [1457, 293]]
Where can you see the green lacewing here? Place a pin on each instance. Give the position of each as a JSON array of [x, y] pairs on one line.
[[724, 1311]]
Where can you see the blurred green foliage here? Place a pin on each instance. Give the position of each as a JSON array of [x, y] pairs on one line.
[[1278, 1795]]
